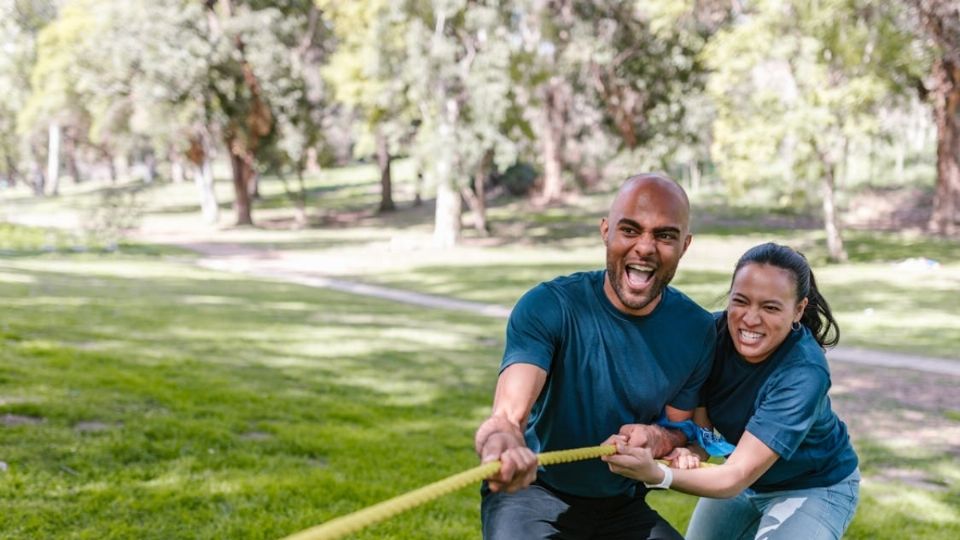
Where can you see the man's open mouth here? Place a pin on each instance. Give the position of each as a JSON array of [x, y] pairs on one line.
[[639, 275]]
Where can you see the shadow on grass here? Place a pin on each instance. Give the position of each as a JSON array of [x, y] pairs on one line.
[[231, 406]]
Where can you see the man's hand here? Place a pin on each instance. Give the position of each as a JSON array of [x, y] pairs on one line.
[[658, 440], [518, 464], [501, 435]]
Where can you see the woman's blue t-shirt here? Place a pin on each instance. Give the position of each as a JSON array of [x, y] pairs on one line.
[[604, 369], [783, 402]]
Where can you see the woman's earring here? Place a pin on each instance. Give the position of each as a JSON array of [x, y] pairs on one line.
[[796, 325]]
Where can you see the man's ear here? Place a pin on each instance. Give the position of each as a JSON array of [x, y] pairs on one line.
[[686, 244], [604, 229]]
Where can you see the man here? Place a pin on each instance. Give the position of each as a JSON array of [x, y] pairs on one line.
[[591, 354]]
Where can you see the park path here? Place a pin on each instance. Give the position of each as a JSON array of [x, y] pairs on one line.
[[292, 267]]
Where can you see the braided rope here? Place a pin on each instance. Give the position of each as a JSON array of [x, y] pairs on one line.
[[350, 523], [344, 525]]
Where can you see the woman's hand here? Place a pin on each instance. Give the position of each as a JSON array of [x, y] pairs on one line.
[[635, 463], [683, 458]]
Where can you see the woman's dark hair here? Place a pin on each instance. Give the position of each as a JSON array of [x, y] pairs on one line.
[[816, 316]]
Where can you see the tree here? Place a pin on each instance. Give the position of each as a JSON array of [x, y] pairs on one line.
[[939, 22], [365, 70], [53, 100], [609, 82], [20, 23], [458, 67], [793, 82]]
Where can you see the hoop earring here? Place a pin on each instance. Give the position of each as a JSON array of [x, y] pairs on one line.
[[795, 326]]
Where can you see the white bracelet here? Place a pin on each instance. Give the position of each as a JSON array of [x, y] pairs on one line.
[[667, 478]]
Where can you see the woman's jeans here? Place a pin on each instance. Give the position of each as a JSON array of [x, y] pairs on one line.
[[807, 514]]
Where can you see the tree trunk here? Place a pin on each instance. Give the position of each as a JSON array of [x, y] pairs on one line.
[[150, 161], [383, 162], [111, 165], [835, 250], [447, 224], [13, 173], [242, 174], [313, 161], [253, 181], [477, 198], [203, 178], [418, 188], [70, 149], [242, 134], [946, 112], [39, 181], [301, 214], [553, 127], [53, 158]]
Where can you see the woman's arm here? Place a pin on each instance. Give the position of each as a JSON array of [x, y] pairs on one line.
[[748, 462]]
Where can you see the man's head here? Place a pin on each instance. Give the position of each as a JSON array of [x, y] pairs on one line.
[[646, 233]]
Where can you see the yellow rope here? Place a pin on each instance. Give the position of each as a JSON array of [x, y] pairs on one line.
[[344, 525]]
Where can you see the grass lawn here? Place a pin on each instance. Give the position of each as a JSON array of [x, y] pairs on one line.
[[145, 398], [142, 397]]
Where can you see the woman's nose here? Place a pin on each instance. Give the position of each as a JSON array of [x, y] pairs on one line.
[[751, 317]]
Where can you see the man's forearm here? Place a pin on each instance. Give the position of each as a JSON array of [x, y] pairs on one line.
[[670, 439]]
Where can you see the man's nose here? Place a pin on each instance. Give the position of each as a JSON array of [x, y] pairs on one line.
[[645, 245]]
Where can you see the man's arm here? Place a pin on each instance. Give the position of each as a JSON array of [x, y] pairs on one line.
[[661, 441], [501, 435]]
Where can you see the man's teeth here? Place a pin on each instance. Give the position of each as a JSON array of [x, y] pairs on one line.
[[747, 335], [639, 272]]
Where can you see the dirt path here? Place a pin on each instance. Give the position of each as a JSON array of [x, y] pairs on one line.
[[306, 269]]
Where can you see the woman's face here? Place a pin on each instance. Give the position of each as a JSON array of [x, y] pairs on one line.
[[762, 307]]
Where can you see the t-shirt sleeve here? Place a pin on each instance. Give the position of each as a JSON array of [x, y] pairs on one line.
[[788, 408], [534, 329], [688, 398]]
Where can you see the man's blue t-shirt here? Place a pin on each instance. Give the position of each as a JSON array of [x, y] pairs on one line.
[[604, 369], [783, 402]]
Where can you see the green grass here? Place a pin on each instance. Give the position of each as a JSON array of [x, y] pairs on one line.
[[171, 402], [174, 403]]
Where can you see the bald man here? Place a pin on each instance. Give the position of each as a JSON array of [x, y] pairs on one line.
[[591, 354]]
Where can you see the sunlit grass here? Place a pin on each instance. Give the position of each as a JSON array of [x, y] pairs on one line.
[[195, 404], [178, 402]]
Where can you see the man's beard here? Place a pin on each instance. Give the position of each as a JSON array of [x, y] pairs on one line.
[[632, 302]]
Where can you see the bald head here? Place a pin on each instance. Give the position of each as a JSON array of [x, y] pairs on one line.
[[654, 187], [646, 234]]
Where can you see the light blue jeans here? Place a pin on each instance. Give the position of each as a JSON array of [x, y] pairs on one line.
[[800, 514]]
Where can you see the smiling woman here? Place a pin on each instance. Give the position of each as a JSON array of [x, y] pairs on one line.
[[793, 473]]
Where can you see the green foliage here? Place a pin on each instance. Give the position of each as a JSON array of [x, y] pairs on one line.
[[366, 69], [794, 82]]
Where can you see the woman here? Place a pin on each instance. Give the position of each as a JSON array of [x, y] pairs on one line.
[[793, 473]]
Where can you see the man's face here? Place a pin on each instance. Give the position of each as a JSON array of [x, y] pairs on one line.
[[646, 235]]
